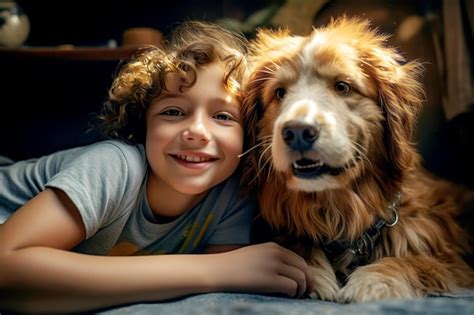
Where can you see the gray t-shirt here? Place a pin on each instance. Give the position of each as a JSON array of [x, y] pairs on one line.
[[106, 182]]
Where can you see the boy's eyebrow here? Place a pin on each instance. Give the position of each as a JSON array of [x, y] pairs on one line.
[[167, 95], [228, 100]]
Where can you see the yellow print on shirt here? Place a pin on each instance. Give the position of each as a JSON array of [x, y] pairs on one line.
[[123, 249], [191, 235], [194, 235]]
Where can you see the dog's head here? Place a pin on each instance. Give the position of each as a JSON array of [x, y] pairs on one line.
[[327, 109]]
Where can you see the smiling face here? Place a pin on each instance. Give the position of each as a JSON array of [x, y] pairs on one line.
[[320, 111], [193, 137], [325, 109]]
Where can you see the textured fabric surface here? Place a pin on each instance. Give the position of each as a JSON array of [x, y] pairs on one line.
[[243, 304]]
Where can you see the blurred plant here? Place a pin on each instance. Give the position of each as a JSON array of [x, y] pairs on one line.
[[259, 18]]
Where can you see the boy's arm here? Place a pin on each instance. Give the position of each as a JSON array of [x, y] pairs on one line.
[[39, 274], [214, 249]]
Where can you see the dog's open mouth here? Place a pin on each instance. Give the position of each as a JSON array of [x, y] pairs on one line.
[[311, 169]]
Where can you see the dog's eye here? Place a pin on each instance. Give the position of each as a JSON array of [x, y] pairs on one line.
[[280, 93], [342, 88]]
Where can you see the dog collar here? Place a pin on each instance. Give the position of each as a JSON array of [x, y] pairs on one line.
[[362, 247]]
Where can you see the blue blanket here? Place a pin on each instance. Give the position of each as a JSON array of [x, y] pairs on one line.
[[251, 304]]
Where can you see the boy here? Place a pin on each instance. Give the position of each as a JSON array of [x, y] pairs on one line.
[[83, 227]]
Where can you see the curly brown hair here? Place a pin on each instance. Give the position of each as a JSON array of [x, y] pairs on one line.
[[143, 77]]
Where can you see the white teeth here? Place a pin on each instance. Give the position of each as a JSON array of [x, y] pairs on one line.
[[317, 164], [194, 159]]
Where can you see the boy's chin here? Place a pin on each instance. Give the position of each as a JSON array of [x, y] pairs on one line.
[[188, 187]]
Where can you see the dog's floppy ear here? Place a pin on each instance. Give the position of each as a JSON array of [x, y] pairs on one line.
[[401, 97], [265, 55]]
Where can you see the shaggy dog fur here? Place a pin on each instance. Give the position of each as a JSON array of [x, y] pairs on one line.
[[330, 120]]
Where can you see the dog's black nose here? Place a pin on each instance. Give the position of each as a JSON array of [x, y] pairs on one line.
[[300, 136]]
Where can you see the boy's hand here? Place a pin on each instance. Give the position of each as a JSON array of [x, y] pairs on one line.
[[262, 268]]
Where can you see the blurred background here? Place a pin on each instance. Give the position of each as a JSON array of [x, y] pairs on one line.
[[59, 74]]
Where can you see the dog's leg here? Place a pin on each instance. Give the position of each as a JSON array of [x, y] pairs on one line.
[[326, 284], [398, 277]]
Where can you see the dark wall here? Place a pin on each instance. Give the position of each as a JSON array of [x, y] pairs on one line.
[[46, 103], [92, 22]]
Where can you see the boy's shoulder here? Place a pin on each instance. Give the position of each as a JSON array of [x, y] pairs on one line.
[[120, 149], [117, 145], [110, 157]]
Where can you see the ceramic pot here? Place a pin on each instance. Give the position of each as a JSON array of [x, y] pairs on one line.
[[14, 24]]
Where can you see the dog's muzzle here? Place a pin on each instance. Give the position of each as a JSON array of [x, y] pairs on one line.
[[300, 137]]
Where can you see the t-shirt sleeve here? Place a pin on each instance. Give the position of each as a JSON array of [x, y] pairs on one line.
[[235, 225], [102, 181]]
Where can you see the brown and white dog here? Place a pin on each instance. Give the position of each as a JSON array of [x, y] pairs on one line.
[[330, 118]]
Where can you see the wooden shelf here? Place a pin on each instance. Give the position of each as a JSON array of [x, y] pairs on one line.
[[71, 52]]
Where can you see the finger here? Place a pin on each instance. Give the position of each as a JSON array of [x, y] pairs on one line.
[[293, 259], [310, 284], [297, 276], [285, 285]]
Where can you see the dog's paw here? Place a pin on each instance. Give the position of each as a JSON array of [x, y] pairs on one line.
[[365, 286], [326, 285]]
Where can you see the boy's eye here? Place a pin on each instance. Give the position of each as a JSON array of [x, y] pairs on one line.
[[172, 112], [223, 116]]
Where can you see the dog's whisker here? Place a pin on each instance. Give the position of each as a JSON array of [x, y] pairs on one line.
[[268, 163], [264, 141], [268, 70], [271, 170], [250, 150], [263, 154], [259, 80], [260, 170], [268, 138], [261, 167], [361, 151]]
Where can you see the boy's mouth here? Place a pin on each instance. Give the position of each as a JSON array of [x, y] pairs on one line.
[[194, 162], [193, 159], [189, 160]]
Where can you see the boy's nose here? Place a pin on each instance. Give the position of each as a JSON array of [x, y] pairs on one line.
[[197, 132]]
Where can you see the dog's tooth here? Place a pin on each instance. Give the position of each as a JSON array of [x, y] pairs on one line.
[[299, 167]]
